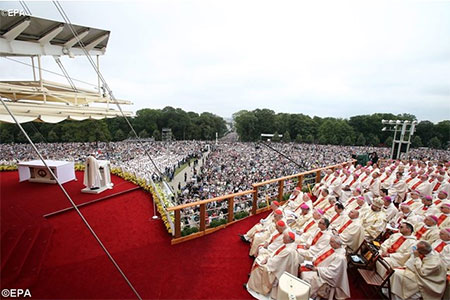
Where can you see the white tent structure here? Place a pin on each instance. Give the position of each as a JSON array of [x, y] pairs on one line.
[[46, 101]]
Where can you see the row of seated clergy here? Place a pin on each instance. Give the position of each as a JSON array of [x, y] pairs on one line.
[[373, 218], [396, 250], [306, 225], [303, 215], [267, 270], [406, 214], [268, 228], [263, 224], [423, 276], [329, 267], [372, 180]]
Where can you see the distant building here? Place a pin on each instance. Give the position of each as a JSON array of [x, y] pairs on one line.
[[269, 136], [166, 134]]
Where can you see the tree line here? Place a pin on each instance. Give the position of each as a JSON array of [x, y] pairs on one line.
[[358, 130], [147, 123]]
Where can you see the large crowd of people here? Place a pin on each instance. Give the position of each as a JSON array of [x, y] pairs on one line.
[[395, 204], [234, 167], [399, 209], [130, 156]]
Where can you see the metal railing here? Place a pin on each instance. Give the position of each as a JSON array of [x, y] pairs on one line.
[[199, 214]]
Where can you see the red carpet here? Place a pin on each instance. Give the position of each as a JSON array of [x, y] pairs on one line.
[[74, 267]]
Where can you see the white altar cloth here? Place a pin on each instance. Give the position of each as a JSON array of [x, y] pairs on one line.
[[36, 171]]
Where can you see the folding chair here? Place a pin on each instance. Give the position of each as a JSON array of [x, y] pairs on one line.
[[376, 279]]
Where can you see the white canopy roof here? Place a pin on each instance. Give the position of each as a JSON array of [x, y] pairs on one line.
[[54, 113], [27, 35]]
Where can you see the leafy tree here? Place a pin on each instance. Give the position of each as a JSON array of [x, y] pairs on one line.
[[20, 138], [348, 141], [323, 140], [298, 138], [309, 139], [143, 134], [388, 142], [376, 140], [157, 135], [435, 143], [286, 137], [37, 137], [416, 142], [276, 137], [6, 136], [247, 126], [425, 130], [333, 131], [119, 135], [442, 130], [361, 141], [52, 137]]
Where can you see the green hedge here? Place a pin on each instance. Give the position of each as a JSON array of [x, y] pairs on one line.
[[189, 230], [240, 215], [217, 222]]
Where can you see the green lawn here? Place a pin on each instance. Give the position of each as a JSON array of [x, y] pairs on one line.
[[182, 167]]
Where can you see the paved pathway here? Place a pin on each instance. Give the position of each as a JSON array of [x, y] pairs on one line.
[[189, 171]]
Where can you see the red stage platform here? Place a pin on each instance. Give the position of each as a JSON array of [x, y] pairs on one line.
[[57, 258]]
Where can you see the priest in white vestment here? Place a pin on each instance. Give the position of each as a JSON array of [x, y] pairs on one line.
[[328, 267], [351, 231], [92, 176], [322, 200], [263, 223], [273, 241], [442, 246], [316, 242], [374, 221], [444, 216], [389, 208], [396, 250], [424, 275], [428, 230], [310, 227], [398, 188], [296, 222], [265, 273]]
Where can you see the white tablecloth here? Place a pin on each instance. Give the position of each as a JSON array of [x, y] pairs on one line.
[[64, 170]]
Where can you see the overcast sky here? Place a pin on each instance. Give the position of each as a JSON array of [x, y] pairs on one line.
[[324, 58]]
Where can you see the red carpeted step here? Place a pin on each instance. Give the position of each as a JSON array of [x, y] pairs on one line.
[[36, 256], [16, 216], [8, 242], [19, 254]]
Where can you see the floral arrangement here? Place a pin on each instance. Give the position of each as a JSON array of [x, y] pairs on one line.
[[137, 181], [149, 189], [4, 168]]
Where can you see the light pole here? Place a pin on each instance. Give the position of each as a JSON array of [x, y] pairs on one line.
[[404, 128]]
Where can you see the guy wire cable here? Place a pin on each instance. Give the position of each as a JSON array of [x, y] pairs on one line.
[[70, 199], [51, 72], [282, 154], [106, 86]]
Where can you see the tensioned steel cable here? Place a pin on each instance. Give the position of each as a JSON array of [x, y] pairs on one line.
[[25, 7], [106, 86], [66, 74], [48, 71], [70, 199], [282, 154]]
